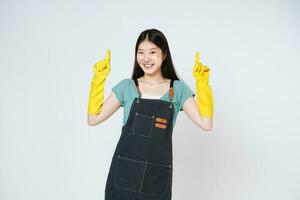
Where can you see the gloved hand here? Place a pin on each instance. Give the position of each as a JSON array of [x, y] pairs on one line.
[[96, 97], [204, 96]]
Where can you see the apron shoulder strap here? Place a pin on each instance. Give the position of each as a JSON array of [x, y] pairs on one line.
[[171, 91], [171, 83]]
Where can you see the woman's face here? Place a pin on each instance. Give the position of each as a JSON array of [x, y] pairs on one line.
[[149, 57]]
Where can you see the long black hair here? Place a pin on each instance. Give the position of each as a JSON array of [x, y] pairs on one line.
[[157, 37]]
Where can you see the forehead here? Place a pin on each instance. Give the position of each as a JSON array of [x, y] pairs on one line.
[[145, 45]]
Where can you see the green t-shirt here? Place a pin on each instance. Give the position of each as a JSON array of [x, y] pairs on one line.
[[125, 91]]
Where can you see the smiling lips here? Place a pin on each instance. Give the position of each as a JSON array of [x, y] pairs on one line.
[[148, 65]]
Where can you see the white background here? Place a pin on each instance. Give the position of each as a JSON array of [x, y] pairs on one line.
[[48, 48]]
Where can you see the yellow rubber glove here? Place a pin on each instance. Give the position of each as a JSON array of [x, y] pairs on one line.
[[204, 96], [96, 97]]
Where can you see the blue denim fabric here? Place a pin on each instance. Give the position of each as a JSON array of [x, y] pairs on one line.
[[141, 167]]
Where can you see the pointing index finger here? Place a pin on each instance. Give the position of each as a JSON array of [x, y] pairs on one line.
[[108, 55], [197, 58]]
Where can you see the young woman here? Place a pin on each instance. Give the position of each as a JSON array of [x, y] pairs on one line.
[[141, 166]]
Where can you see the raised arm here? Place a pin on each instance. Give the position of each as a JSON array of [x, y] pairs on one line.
[[191, 110], [109, 107], [97, 110], [201, 111]]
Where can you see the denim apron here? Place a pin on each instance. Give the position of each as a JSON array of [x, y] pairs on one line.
[[141, 167]]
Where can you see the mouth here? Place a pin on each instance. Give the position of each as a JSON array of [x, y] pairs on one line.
[[148, 65]]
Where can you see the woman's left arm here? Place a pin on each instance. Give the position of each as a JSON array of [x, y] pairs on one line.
[[190, 108]]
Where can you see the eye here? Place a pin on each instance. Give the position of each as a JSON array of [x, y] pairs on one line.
[[153, 52], [140, 52]]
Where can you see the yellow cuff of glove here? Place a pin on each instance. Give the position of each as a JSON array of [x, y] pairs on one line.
[[205, 100]]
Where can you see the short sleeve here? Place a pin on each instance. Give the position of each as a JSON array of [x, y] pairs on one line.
[[186, 92], [118, 90]]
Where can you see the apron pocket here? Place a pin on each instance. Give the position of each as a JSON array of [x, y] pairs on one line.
[[142, 125], [156, 178], [129, 173]]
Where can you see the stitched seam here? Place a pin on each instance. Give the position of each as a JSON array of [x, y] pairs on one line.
[[115, 176], [151, 125], [159, 165], [143, 177], [139, 161], [131, 159], [166, 186]]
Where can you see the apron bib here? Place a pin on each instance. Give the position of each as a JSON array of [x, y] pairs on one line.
[[141, 167]]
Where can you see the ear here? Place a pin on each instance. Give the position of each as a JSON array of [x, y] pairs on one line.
[[164, 55]]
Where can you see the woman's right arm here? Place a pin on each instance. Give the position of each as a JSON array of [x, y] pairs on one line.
[[109, 107]]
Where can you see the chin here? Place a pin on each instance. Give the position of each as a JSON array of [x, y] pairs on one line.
[[148, 72]]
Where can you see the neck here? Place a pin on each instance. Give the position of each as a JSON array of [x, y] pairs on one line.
[[154, 78]]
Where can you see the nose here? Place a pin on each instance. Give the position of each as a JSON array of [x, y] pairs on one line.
[[146, 57]]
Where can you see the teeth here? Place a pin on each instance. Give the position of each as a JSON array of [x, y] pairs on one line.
[[148, 65]]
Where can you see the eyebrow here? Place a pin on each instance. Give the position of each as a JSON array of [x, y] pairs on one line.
[[150, 49]]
